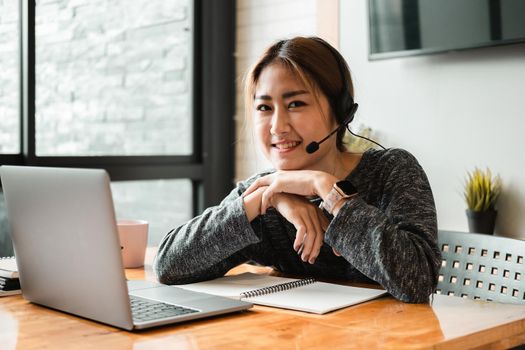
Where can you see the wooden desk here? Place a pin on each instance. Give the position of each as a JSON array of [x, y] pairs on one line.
[[450, 323]]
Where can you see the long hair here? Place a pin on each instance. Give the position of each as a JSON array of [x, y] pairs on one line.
[[320, 67]]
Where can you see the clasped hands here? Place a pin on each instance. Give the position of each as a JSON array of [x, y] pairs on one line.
[[287, 192]]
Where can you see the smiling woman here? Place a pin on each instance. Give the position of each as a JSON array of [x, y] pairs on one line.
[[282, 104], [329, 213]]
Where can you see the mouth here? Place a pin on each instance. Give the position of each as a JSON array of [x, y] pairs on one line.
[[286, 145]]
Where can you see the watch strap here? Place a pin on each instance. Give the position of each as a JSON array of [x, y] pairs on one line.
[[334, 197]]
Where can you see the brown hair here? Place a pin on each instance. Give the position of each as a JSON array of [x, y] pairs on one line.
[[321, 68]]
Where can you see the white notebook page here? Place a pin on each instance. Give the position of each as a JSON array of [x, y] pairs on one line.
[[318, 297]]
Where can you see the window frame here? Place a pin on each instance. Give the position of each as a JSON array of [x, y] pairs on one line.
[[211, 165]]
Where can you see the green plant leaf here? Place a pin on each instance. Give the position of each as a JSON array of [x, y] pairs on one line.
[[481, 190]]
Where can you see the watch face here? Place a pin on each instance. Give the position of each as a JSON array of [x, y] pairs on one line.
[[346, 187]]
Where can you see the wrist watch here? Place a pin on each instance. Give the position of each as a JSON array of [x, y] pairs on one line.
[[340, 191]]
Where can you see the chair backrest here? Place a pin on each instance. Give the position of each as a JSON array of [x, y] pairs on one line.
[[485, 267]]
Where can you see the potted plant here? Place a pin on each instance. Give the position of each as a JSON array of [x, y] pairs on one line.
[[481, 194]]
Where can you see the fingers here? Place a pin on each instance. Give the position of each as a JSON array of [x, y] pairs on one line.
[[296, 182], [317, 240], [336, 252], [323, 220], [322, 224], [262, 181], [308, 241], [314, 237], [309, 221], [266, 199], [299, 239]]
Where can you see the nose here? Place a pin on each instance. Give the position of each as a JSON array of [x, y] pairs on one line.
[[280, 122]]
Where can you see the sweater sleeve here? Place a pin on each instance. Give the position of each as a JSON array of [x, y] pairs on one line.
[[207, 246], [393, 242]]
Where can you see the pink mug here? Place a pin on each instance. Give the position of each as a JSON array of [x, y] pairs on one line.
[[133, 235]]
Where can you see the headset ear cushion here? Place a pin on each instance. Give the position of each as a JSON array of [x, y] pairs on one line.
[[347, 108], [353, 109]]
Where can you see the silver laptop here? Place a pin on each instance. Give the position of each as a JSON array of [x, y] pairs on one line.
[[67, 248]]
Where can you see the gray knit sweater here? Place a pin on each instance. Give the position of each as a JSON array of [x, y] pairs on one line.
[[387, 234]]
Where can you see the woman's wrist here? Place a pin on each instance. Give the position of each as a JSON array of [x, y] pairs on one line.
[[341, 192], [323, 184], [252, 203]]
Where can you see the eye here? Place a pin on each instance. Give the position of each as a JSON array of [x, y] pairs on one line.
[[296, 104], [262, 108]]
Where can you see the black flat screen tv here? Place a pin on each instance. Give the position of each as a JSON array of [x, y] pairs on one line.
[[415, 27]]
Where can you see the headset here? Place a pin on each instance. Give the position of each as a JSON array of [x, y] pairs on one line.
[[344, 105]]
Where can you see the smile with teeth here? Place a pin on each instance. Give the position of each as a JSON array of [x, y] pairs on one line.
[[286, 145]]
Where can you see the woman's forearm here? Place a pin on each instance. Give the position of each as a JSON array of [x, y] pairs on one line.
[[208, 245]]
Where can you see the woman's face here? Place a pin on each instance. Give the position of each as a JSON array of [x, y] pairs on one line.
[[287, 117]]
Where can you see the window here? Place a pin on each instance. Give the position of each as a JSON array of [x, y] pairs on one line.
[[113, 77], [10, 77], [144, 89], [159, 203]]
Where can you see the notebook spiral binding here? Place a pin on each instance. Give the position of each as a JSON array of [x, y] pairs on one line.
[[277, 288]]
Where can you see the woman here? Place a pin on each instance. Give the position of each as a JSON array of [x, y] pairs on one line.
[[328, 213]]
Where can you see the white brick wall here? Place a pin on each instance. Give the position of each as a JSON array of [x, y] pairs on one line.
[[113, 77], [259, 24], [9, 77]]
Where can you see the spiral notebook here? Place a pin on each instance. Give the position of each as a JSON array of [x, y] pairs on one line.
[[8, 268], [306, 295]]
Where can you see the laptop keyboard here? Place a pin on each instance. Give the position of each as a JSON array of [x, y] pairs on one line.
[[146, 310]]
